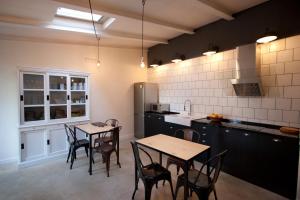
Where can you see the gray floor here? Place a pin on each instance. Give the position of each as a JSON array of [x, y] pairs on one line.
[[55, 181]]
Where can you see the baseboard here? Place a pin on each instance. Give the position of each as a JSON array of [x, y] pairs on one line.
[[9, 161]]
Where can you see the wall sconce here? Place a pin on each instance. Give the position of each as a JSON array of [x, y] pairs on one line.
[[212, 49], [156, 63], [268, 36], [178, 58]]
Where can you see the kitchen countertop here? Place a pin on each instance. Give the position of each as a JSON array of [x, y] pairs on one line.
[[250, 126]]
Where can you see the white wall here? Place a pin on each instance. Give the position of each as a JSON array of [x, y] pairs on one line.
[[111, 93], [206, 81]]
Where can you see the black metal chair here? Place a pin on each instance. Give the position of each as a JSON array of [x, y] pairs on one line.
[[150, 174], [75, 144], [187, 134], [106, 148], [200, 183], [108, 137]]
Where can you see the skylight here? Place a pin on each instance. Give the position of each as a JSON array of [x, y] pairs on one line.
[[66, 12]]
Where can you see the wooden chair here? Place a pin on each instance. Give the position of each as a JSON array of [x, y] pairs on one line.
[[108, 137], [106, 148], [187, 134], [150, 174], [200, 183], [74, 144]]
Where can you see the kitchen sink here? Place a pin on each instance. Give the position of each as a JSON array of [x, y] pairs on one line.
[[182, 119]]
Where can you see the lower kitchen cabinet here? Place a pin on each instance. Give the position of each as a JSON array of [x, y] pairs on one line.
[[154, 124], [56, 141]]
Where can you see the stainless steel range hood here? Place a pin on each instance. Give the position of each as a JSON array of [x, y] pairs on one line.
[[247, 69]]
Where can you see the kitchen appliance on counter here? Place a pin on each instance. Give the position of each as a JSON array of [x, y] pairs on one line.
[[159, 108], [145, 95]]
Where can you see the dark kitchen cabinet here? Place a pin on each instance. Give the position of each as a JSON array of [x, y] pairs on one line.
[[154, 124]]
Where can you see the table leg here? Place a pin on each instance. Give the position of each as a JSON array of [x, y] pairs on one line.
[[186, 171], [160, 158], [118, 149], [91, 155]]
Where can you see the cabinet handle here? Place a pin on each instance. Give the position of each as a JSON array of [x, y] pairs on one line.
[[204, 134], [148, 116], [226, 131], [48, 98], [203, 141], [86, 97], [246, 134], [204, 127], [171, 127], [48, 142], [21, 97], [68, 97], [159, 118], [276, 140], [22, 146]]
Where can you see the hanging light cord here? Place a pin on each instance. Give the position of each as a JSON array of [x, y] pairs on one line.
[[97, 37], [143, 2]]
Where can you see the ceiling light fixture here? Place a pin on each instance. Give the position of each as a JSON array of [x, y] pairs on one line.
[[142, 64], [156, 63], [97, 37], [268, 36], [211, 50], [66, 12], [178, 58]]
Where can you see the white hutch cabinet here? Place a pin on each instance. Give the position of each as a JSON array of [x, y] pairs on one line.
[[48, 99]]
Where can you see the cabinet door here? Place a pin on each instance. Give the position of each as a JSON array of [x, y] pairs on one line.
[[79, 96], [279, 164], [57, 142], [33, 145]]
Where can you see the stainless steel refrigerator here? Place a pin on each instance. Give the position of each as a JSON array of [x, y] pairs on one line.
[[144, 95]]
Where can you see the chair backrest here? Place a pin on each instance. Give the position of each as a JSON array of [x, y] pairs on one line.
[[137, 158], [215, 163], [70, 134], [188, 134], [112, 122]]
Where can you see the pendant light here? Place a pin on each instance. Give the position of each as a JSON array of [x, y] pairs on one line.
[[212, 49], [268, 36], [97, 37], [142, 64]]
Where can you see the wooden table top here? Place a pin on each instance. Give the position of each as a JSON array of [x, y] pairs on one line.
[[176, 147], [92, 129]]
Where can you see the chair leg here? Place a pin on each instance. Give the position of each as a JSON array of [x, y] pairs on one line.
[[86, 151], [178, 185], [171, 185], [167, 167], [135, 187], [148, 189], [70, 148], [117, 161], [107, 163], [72, 158], [75, 155], [215, 193]]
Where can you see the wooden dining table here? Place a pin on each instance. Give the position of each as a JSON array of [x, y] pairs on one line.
[[91, 129], [175, 147]]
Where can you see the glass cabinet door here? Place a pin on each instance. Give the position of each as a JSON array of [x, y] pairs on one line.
[[33, 97], [58, 96], [78, 96]]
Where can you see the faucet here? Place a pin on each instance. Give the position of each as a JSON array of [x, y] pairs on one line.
[[189, 104]]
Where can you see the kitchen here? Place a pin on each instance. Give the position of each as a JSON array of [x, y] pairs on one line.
[[238, 98]]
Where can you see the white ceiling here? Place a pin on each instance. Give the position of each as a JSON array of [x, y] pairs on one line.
[[164, 19]]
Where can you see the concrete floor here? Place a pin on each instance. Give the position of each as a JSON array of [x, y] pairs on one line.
[[54, 180]]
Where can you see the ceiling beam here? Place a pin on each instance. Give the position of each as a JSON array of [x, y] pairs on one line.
[[215, 9], [130, 15], [78, 25]]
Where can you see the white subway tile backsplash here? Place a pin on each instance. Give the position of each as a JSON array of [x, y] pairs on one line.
[[284, 56], [269, 58], [293, 42], [291, 116], [284, 80], [275, 115], [296, 79], [268, 103], [261, 114], [296, 104], [283, 103], [206, 81], [297, 54], [292, 67]]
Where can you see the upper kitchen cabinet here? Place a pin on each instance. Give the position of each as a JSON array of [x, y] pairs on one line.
[[53, 97]]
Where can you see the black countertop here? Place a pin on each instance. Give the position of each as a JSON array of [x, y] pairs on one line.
[[250, 126]]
